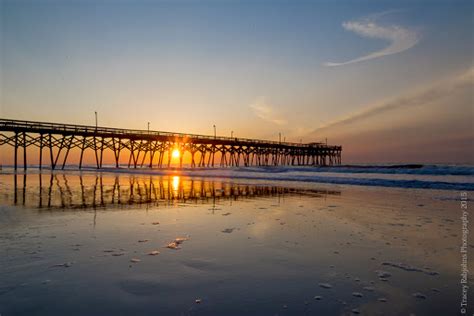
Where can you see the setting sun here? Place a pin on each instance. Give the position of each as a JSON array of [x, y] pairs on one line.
[[175, 153]]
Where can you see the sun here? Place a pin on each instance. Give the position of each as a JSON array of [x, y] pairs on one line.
[[175, 153]]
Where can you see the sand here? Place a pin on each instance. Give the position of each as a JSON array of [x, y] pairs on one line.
[[83, 245]]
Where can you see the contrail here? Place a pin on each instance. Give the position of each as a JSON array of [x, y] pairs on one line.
[[417, 98]]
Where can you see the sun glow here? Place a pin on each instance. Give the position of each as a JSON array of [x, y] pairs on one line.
[[175, 153], [175, 183]]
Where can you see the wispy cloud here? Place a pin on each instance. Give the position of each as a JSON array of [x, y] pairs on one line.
[[417, 98], [432, 124], [264, 111], [399, 38]]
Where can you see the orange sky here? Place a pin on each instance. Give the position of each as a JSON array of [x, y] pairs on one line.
[[389, 82]]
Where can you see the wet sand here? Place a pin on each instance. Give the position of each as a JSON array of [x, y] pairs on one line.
[[103, 244]]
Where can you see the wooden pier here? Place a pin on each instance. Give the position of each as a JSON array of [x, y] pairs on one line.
[[155, 149]]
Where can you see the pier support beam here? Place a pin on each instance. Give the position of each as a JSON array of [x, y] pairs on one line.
[[24, 151]]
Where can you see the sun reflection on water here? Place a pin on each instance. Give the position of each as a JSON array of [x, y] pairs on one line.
[[176, 184]]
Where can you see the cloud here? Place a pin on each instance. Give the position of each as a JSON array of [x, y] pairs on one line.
[[399, 38], [432, 124], [264, 111], [418, 98]]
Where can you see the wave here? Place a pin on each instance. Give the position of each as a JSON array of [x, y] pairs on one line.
[[458, 170], [439, 177], [414, 169], [314, 175]]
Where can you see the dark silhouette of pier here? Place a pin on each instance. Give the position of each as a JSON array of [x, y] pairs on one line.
[[155, 149]]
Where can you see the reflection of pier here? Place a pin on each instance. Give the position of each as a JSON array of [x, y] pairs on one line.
[[156, 149], [97, 191]]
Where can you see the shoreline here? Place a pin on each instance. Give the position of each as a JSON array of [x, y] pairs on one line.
[[464, 182], [266, 253]]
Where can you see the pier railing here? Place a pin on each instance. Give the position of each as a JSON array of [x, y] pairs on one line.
[[44, 127]]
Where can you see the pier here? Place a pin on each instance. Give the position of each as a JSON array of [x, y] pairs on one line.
[[156, 149]]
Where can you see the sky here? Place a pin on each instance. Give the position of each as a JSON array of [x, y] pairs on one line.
[[390, 81]]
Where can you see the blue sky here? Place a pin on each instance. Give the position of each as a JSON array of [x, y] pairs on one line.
[[253, 67]]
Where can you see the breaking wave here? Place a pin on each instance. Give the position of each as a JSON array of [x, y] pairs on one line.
[[440, 177]]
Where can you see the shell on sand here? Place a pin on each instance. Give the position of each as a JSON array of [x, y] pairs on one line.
[[419, 295], [180, 240], [65, 265], [172, 245], [177, 241]]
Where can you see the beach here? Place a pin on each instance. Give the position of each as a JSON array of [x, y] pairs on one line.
[[171, 243], [236, 158]]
